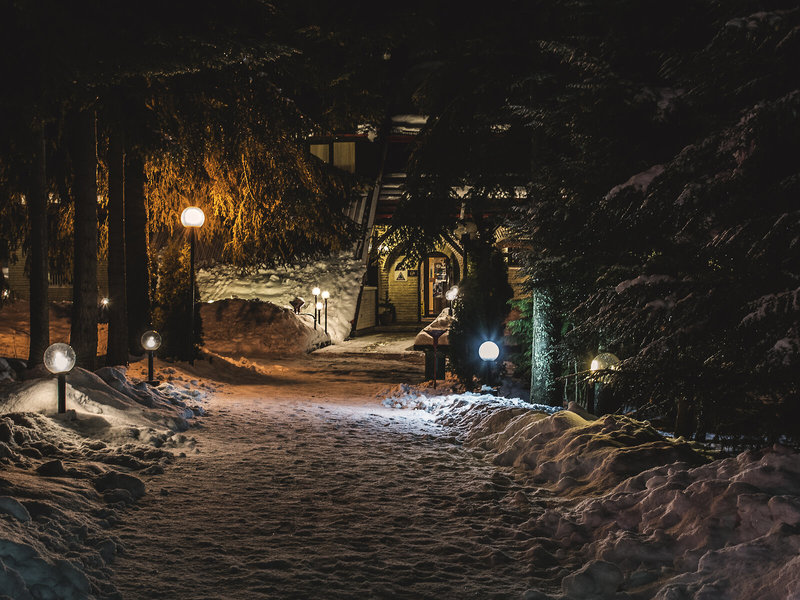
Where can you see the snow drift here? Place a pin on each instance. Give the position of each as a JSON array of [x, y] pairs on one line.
[[339, 274], [66, 478], [635, 515], [253, 328]]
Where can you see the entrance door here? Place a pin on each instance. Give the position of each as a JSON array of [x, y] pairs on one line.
[[437, 282]]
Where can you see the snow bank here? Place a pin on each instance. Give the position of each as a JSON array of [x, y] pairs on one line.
[[102, 405], [729, 529], [66, 478], [340, 275], [559, 449], [651, 519], [254, 328]]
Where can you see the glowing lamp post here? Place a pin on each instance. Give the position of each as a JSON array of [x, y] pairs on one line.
[[317, 312], [325, 295], [601, 365], [315, 292], [451, 295], [489, 352], [192, 218], [151, 341], [605, 361], [59, 360]]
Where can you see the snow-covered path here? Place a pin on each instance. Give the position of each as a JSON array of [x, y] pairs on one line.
[[304, 487]]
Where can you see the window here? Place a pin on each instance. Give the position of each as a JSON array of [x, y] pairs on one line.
[[321, 151], [344, 156]]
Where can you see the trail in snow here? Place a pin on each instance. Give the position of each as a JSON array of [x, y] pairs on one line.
[[332, 496]]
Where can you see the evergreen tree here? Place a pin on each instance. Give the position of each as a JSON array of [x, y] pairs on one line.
[[172, 306], [480, 312]]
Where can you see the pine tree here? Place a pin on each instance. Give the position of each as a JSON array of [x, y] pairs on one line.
[[172, 311], [480, 312]]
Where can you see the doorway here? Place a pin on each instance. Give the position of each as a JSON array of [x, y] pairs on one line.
[[438, 278]]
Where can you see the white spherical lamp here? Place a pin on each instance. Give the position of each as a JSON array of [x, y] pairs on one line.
[[192, 216], [59, 358], [326, 294], [488, 351], [151, 340]]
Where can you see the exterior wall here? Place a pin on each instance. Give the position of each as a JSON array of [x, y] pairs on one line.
[[366, 312], [20, 284], [408, 295], [403, 294]]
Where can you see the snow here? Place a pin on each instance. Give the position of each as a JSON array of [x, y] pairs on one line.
[[643, 280], [655, 518], [254, 328], [639, 182], [298, 480], [442, 321], [341, 275], [67, 478]]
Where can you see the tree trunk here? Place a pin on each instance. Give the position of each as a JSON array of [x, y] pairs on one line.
[[117, 353], [39, 284], [83, 335], [136, 255]]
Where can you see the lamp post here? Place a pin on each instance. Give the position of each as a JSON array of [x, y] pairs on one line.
[[315, 292], [325, 295], [192, 218], [435, 335], [489, 352], [151, 341], [59, 360], [317, 311], [451, 295], [600, 367]]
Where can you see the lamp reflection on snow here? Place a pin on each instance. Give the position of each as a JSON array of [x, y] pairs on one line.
[[59, 359], [151, 341]]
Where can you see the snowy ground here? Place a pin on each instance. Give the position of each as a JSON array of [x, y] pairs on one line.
[[66, 479], [338, 475], [340, 275]]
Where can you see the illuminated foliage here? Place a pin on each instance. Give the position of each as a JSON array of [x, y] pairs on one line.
[[242, 158]]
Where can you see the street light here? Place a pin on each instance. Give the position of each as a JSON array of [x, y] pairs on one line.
[[325, 295], [451, 295], [59, 360], [151, 341], [192, 218], [317, 311], [489, 351], [315, 293], [435, 335]]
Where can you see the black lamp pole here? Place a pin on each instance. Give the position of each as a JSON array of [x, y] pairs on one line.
[[326, 315], [150, 366], [191, 312], [62, 393]]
